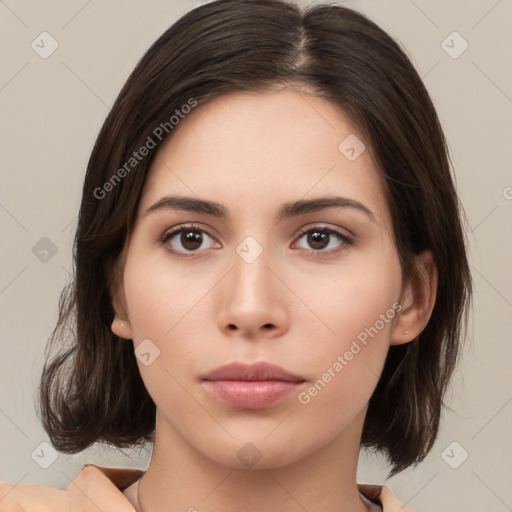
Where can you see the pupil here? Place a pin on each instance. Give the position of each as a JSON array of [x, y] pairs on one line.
[[191, 240], [317, 237]]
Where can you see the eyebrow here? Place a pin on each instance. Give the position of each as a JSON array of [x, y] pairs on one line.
[[287, 210]]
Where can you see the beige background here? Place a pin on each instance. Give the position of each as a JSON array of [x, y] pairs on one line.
[[52, 110]]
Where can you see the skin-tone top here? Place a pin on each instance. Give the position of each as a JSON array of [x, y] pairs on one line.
[[108, 489]]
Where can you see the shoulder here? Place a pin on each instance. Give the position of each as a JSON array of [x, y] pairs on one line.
[[33, 498], [101, 488], [95, 488], [383, 496]]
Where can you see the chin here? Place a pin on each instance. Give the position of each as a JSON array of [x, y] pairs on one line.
[[258, 452]]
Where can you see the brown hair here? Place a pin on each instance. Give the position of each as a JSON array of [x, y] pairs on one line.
[[92, 390]]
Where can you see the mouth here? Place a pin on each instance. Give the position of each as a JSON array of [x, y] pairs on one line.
[[251, 386]]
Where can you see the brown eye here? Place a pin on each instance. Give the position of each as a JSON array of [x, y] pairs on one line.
[[191, 240], [324, 240]]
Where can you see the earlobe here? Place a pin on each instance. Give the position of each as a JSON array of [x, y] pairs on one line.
[[120, 325], [418, 302], [122, 328]]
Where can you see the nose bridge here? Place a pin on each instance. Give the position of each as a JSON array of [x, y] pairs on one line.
[[251, 299], [251, 286]]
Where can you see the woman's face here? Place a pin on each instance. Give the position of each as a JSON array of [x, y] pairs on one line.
[[269, 280]]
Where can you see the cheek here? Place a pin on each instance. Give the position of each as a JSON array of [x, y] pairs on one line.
[[163, 307], [161, 297], [345, 369], [163, 311], [357, 311], [357, 301]]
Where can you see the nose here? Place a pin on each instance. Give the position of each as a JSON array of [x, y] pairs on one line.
[[252, 301]]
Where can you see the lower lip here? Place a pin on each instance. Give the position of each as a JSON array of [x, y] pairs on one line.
[[250, 394]]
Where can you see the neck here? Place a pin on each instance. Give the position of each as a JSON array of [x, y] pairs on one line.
[[179, 478]]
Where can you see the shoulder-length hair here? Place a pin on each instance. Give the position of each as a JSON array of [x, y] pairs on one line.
[[92, 390]]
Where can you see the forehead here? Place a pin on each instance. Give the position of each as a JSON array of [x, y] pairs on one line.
[[246, 149]]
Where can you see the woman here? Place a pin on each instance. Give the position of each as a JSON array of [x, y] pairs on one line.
[[268, 218]]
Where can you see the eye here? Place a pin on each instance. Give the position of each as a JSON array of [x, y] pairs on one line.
[[320, 237], [190, 240], [193, 238]]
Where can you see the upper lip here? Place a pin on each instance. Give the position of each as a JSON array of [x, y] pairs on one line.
[[252, 372]]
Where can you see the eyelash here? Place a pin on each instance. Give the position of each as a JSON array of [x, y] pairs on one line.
[[347, 241]]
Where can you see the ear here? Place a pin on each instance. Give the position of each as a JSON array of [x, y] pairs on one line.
[[121, 324], [121, 327], [417, 301]]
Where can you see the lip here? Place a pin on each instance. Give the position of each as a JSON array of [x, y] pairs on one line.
[[251, 386], [261, 371]]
